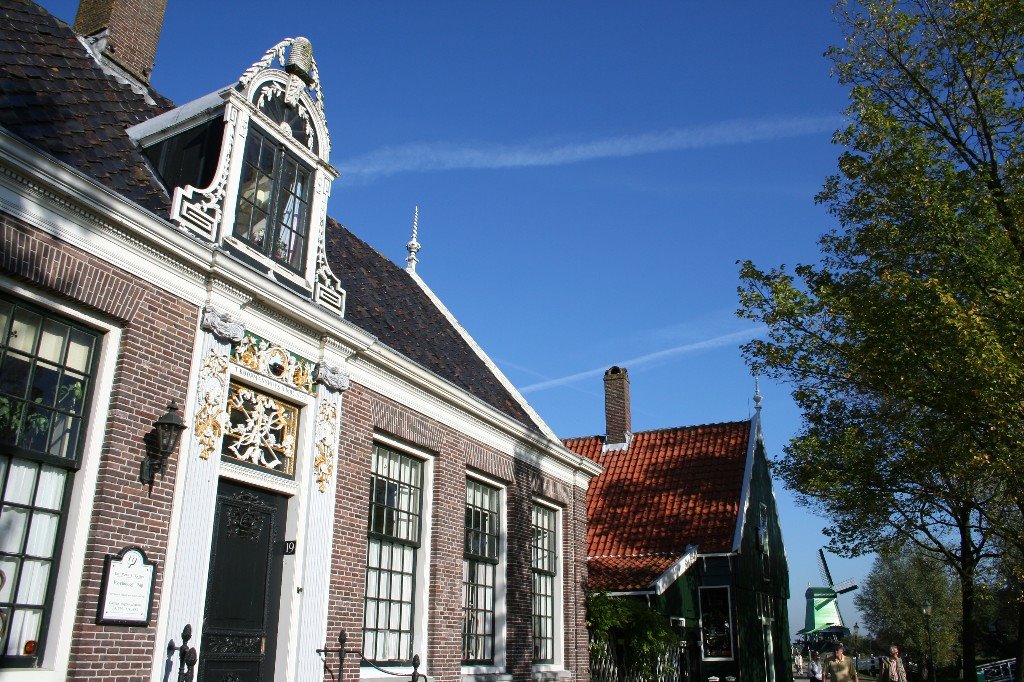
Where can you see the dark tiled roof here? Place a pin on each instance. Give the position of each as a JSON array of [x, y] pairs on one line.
[[671, 488], [55, 96], [385, 301]]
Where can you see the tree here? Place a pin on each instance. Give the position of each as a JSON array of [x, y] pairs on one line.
[[903, 343], [890, 600]]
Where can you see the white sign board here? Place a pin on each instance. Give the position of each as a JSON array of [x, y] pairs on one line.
[[127, 590]]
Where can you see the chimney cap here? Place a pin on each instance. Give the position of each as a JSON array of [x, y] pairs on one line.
[[615, 370]]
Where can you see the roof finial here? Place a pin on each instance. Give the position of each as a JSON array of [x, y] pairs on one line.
[[757, 394], [413, 246]]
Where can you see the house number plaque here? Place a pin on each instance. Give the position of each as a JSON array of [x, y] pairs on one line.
[[126, 594]]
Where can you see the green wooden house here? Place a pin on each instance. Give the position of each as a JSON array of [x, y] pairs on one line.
[[685, 518]]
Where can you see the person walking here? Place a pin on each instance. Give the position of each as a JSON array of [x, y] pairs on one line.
[[892, 669], [814, 671], [840, 668]]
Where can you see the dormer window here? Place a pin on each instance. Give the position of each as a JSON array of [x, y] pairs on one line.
[[272, 215], [264, 202]]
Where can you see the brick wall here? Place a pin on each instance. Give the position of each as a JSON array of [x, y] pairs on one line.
[[152, 368], [365, 412]]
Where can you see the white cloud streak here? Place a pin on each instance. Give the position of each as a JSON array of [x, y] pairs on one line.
[[424, 156], [632, 363]]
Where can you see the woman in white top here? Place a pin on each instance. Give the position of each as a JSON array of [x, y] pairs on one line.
[[814, 668]]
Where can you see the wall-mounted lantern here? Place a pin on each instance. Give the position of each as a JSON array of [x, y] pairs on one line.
[[168, 430]]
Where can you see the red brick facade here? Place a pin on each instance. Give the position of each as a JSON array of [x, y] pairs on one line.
[[152, 368], [366, 413]]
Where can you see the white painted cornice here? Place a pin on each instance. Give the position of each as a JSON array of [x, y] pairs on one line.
[[62, 201]]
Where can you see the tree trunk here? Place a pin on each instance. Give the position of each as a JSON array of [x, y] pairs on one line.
[[1019, 676], [967, 591]]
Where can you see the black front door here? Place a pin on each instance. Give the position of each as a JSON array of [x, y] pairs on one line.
[[244, 590]]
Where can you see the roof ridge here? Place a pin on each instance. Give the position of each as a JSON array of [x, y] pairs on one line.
[[667, 428], [631, 556]]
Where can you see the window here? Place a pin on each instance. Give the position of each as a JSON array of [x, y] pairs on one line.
[[544, 567], [479, 569], [272, 215], [715, 623], [764, 542], [46, 373], [395, 521]]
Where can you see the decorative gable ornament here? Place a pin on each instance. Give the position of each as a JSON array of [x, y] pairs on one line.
[[266, 201]]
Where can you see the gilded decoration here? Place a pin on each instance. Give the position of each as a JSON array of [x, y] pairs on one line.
[[273, 361], [261, 430], [326, 431], [210, 417]]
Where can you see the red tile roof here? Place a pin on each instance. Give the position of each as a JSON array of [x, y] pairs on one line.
[[671, 488]]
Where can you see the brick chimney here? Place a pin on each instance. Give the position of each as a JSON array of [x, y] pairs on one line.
[[618, 423], [125, 31]]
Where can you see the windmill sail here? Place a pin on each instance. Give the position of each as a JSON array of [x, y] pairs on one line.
[[823, 614]]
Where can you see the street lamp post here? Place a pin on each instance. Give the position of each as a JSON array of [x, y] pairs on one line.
[[927, 610], [856, 647]]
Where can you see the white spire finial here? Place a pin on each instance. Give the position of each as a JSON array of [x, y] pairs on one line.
[[413, 246], [757, 394]]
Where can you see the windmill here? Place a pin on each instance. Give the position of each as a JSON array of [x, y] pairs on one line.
[[823, 620]]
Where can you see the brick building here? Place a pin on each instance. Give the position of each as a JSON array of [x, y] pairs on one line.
[[351, 462]]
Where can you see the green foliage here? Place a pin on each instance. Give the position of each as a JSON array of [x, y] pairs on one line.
[[903, 343], [631, 627], [891, 599]]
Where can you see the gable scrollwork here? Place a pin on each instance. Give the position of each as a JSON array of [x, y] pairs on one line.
[[201, 209], [302, 91]]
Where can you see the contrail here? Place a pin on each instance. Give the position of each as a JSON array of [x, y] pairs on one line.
[[424, 156], [715, 342]]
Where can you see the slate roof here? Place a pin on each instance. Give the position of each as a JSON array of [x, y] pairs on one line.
[[385, 301], [55, 96], [671, 488]]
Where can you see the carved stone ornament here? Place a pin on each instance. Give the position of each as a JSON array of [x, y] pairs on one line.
[[245, 519], [224, 326], [303, 78], [210, 417], [326, 434], [296, 82], [201, 209], [332, 378], [274, 361], [261, 430]]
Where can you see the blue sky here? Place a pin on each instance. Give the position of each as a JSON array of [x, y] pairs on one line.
[[587, 174]]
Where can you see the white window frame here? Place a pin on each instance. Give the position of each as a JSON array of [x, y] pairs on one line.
[[732, 629], [63, 609], [558, 608], [500, 584], [421, 602]]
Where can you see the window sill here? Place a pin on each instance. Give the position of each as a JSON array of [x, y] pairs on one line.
[[486, 677]]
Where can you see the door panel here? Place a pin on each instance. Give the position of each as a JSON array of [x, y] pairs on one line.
[[244, 590]]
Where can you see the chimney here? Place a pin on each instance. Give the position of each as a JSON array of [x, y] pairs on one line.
[[616, 409], [124, 31]]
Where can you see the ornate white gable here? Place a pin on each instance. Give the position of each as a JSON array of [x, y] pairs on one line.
[[280, 96]]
